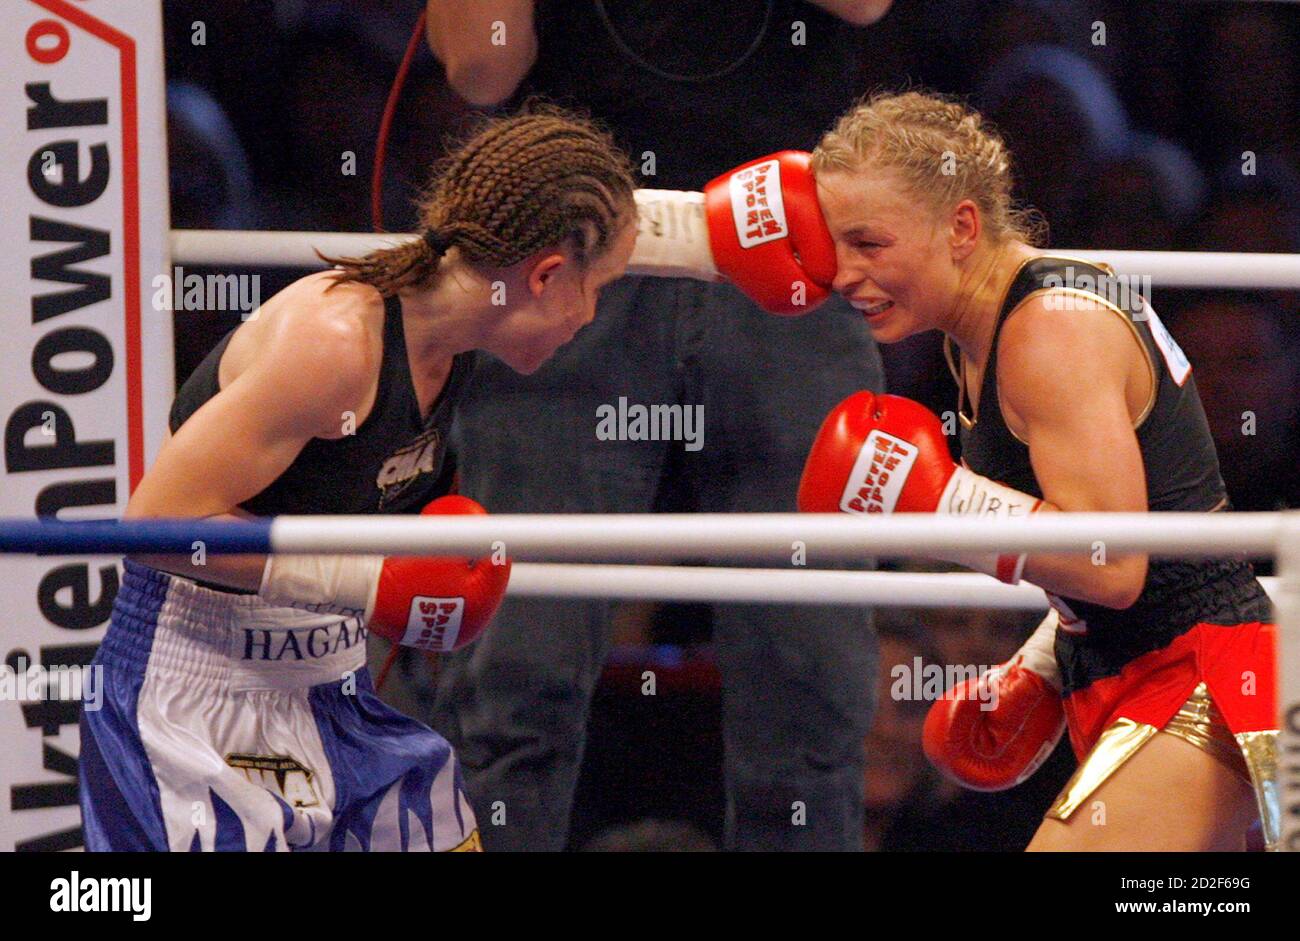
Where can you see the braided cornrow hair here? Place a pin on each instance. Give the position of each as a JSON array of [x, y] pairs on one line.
[[943, 149], [520, 184]]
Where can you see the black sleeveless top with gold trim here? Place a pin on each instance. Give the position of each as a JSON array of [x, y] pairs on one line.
[[392, 463], [1182, 474]]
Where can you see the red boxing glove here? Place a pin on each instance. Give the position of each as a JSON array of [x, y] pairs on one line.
[[767, 234], [431, 603], [438, 603], [993, 732], [886, 454]]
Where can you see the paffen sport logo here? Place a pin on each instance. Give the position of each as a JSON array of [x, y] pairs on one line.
[[757, 206], [434, 623], [878, 474]]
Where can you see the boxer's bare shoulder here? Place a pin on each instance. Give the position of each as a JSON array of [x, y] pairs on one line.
[[312, 338], [314, 315]]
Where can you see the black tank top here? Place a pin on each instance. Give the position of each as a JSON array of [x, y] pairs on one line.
[[1182, 474], [393, 463]]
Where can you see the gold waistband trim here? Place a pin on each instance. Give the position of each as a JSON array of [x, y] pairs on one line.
[[1114, 747], [1251, 755]]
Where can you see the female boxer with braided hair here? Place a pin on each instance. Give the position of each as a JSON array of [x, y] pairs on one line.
[[238, 713], [1079, 400]]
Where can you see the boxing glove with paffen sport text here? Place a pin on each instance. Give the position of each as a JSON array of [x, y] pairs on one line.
[[767, 233], [887, 454], [431, 603], [992, 732]]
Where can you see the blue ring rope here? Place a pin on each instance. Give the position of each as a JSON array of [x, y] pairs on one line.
[[112, 537]]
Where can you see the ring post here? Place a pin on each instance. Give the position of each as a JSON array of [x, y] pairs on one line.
[[1287, 609]]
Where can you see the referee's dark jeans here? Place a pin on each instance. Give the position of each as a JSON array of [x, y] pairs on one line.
[[798, 681]]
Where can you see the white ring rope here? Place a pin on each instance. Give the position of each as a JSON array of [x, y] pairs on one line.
[[777, 586], [777, 537], [244, 248]]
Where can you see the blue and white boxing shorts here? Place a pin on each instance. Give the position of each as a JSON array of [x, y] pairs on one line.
[[229, 724]]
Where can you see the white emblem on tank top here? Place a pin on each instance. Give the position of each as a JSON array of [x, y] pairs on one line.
[[1175, 358]]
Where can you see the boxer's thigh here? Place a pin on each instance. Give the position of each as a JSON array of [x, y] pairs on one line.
[[234, 771], [1132, 809], [396, 784]]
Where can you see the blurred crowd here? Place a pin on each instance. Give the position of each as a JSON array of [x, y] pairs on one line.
[[1135, 124]]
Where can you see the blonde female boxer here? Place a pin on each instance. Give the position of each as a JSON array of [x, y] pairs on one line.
[[1072, 397], [239, 715]]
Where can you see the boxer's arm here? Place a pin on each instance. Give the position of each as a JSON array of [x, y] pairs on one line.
[[485, 46], [672, 236], [758, 226], [313, 369], [1062, 377], [857, 12]]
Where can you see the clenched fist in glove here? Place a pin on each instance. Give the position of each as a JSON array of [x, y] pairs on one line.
[[886, 454], [767, 233], [994, 731], [430, 603]]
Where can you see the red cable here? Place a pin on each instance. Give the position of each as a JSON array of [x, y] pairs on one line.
[[377, 218], [388, 665], [385, 124]]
